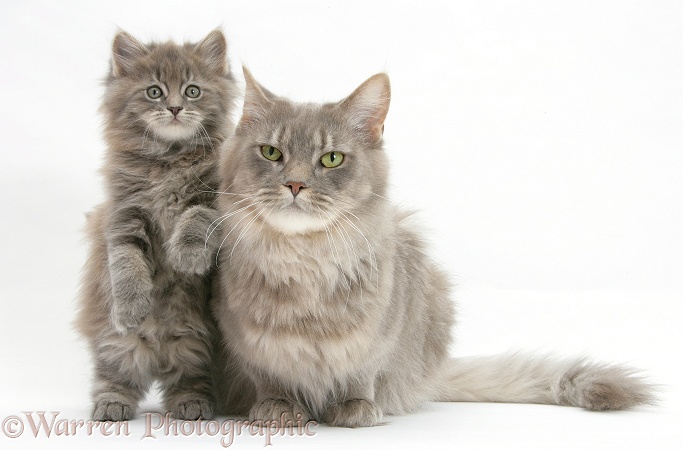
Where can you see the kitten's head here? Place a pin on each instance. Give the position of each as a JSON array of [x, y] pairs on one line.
[[161, 93], [302, 166]]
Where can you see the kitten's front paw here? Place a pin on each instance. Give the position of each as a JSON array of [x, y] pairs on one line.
[[195, 409], [193, 242], [353, 413], [282, 412], [107, 410], [128, 315], [189, 255]]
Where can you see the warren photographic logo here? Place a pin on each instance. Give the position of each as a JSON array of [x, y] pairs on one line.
[[41, 424]]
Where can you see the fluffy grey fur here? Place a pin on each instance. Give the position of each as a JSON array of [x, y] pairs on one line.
[[146, 284], [329, 301]]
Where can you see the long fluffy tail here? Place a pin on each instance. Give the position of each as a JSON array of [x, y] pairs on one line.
[[520, 378]]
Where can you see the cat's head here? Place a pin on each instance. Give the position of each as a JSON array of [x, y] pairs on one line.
[[303, 166], [162, 93]]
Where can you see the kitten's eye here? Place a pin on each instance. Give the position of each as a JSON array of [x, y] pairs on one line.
[[154, 92], [271, 153], [192, 91], [332, 159]]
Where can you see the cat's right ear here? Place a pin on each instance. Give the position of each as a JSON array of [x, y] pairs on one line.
[[256, 100], [125, 50], [367, 107]]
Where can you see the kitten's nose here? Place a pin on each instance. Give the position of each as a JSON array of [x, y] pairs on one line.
[[295, 186], [175, 110]]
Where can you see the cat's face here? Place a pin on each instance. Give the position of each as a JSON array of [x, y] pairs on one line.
[[164, 93], [301, 167]]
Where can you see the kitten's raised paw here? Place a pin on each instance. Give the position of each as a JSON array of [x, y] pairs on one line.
[[284, 413], [106, 410], [193, 410], [192, 244], [128, 315], [189, 256], [353, 413]]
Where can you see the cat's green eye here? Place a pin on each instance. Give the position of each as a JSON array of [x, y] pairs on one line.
[[154, 92], [271, 153], [192, 91], [332, 159]]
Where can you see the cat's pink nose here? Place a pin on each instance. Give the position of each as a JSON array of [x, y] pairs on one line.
[[175, 110], [295, 186]]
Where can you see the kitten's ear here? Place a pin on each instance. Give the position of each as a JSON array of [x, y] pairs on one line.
[[214, 50], [367, 107], [256, 99], [125, 50]]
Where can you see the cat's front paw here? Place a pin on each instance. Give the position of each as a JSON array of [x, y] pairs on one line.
[[110, 410], [279, 411], [353, 413]]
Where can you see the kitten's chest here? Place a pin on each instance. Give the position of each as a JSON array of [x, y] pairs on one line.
[[169, 191]]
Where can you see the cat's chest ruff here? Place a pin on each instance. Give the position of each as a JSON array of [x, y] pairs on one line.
[[304, 265], [316, 317]]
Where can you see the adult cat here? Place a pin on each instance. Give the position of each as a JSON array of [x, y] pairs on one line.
[[146, 284], [329, 302]]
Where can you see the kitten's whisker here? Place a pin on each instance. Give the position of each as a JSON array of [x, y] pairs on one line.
[[144, 135], [156, 142], [138, 119], [210, 189], [200, 131], [206, 133], [221, 193], [195, 140]]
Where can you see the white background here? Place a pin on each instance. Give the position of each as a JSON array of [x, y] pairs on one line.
[[541, 141]]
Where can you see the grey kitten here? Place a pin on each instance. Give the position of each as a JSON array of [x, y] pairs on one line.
[[146, 283], [329, 302]]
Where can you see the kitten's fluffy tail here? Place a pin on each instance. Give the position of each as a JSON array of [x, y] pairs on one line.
[[520, 378]]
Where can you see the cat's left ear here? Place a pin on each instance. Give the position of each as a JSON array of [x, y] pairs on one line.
[[367, 107], [214, 50]]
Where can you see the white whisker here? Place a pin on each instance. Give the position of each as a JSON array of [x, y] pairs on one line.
[[246, 228], [348, 241], [225, 217], [335, 251], [231, 230], [371, 252]]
